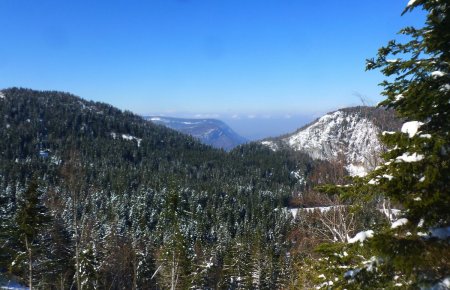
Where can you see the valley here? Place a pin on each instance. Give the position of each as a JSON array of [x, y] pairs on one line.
[[96, 192]]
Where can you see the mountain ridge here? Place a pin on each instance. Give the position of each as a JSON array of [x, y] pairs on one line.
[[209, 131], [350, 134]]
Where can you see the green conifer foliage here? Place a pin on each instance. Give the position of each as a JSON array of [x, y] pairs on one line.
[[88, 269], [7, 238], [412, 250], [32, 221]]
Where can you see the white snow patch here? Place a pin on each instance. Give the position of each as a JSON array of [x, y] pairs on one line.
[[399, 223], [445, 88], [373, 182], [399, 97], [441, 285], [322, 209], [389, 177], [15, 287], [127, 137], [410, 3], [155, 119], [270, 144], [130, 138], [2, 95], [390, 213], [297, 175], [437, 74], [411, 128], [428, 136], [356, 170], [361, 237], [446, 282], [421, 222], [406, 157], [294, 212], [387, 133]]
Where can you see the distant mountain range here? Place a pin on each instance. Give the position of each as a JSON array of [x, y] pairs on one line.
[[349, 134], [209, 131]]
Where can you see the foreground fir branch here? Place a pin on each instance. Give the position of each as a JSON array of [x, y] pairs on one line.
[[411, 250]]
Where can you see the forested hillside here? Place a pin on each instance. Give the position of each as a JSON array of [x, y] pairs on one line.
[[93, 197]]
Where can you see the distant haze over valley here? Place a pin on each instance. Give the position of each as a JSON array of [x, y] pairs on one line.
[[254, 126], [259, 127], [209, 131]]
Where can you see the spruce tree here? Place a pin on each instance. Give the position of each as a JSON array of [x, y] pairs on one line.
[[413, 250], [32, 221], [7, 237], [88, 268]]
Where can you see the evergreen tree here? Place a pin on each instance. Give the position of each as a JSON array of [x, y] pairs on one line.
[[88, 268], [32, 221], [237, 266], [173, 254], [412, 251], [59, 268], [7, 236]]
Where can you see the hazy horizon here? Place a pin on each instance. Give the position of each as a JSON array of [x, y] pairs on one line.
[[253, 127]]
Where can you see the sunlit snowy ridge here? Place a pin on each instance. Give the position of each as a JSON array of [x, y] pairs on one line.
[[348, 134]]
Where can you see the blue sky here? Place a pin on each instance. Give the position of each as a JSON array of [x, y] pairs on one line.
[[233, 59]]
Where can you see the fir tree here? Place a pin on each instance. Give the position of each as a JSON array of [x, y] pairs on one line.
[[7, 236], [412, 251], [32, 220], [88, 268]]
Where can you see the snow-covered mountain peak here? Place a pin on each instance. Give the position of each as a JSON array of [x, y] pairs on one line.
[[349, 134]]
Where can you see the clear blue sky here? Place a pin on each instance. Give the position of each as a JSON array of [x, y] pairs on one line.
[[230, 57]]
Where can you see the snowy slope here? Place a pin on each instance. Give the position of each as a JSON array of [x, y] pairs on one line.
[[350, 133], [209, 131]]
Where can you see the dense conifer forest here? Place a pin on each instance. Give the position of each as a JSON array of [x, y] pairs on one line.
[[135, 205], [92, 197]]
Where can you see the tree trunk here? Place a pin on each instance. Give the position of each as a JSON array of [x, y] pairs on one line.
[[62, 281], [30, 264], [135, 269], [77, 251], [174, 278]]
